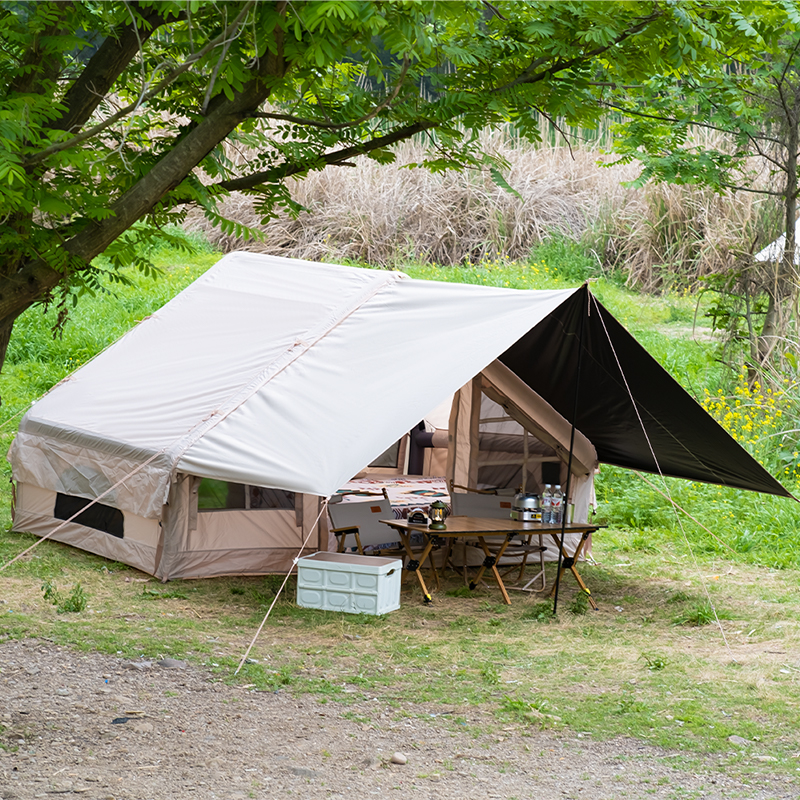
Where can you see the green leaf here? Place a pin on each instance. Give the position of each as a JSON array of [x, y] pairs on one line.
[[500, 181]]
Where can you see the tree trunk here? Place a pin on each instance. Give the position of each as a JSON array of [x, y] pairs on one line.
[[783, 289], [6, 326], [36, 279]]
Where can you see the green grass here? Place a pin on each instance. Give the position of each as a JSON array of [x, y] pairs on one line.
[[641, 666]]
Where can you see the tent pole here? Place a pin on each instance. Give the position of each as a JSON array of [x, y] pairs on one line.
[[565, 505]]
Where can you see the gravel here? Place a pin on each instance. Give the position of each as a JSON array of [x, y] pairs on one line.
[[100, 727]]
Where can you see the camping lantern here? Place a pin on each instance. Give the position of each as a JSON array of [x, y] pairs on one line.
[[437, 512]]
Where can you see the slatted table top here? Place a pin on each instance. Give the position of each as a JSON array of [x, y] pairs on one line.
[[460, 526]]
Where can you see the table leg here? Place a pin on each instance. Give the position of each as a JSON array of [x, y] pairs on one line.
[[490, 562], [568, 562], [415, 565]]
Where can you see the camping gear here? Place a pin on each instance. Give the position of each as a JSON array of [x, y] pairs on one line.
[[362, 522], [482, 529], [203, 442], [437, 513], [418, 517], [348, 582], [526, 507]]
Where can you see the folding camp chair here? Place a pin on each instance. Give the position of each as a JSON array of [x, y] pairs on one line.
[[362, 521], [482, 504]]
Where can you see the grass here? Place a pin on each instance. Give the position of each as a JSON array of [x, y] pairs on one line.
[[650, 663]]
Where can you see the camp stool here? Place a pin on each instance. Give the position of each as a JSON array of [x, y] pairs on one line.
[[482, 504]]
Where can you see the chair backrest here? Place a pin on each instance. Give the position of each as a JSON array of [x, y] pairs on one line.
[[471, 504], [366, 517]]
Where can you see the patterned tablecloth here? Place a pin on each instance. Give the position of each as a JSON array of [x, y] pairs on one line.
[[406, 493]]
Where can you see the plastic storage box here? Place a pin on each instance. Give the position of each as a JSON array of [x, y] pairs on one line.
[[348, 582]]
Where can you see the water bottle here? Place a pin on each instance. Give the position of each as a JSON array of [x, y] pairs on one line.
[[557, 506], [547, 504]]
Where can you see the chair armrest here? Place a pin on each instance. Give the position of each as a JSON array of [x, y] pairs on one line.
[[344, 531]]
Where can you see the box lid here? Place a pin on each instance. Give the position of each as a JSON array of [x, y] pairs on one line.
[[371, 563]]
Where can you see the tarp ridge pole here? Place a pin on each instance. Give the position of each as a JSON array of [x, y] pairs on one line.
[[565, 501]]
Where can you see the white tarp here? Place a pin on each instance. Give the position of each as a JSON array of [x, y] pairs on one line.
[[277, 372]]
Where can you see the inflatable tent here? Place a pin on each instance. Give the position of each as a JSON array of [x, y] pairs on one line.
[[202, 442]]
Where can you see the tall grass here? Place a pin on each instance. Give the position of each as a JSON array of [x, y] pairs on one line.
[[387, 215]]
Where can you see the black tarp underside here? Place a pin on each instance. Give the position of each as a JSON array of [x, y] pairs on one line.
[[687, 441]]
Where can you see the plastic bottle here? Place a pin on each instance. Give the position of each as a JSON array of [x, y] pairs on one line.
[[547, 504], [557, 506]]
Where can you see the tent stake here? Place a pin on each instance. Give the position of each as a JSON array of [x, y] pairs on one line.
[[565, 502]]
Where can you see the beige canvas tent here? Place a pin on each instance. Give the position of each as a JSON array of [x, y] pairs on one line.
[[202, 442]]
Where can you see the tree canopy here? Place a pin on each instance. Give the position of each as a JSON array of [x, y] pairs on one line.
[[751, 102], [115, 117]]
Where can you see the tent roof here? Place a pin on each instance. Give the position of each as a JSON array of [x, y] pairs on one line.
[[285, 373], [293, 374]]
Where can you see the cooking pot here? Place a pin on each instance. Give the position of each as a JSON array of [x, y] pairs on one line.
[[526, 507]]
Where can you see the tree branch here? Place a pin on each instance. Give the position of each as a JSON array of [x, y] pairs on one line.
[[662, 118], [331, 126], [103, 69], [529, 75], [32, 68], [91, 132], [743, 188], [766, 156], [336, 157], [36, 278]]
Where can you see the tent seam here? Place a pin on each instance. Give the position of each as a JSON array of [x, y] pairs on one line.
[[289, 357]]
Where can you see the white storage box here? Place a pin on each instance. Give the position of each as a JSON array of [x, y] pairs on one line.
[[348, 582]]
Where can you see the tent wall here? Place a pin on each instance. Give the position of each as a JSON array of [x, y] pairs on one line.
[[185, 543], [501, 432], [234, 541], [34, 513]]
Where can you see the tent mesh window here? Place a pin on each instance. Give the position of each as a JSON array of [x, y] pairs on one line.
[[389, 457], [99, 517], [215, 495], [509, 455]]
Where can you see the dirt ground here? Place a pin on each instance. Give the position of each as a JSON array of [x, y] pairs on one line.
[[99, 727]]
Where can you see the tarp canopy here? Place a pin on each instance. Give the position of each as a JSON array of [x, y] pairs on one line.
[[628, 406], [291, 374], [272, 372]]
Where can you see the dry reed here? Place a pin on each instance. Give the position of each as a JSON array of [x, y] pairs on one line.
[[388, 215]]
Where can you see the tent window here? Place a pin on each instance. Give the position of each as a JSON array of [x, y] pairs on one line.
[[511, 456], [388, 458], [100, 517], [217, 495], [270, 498], [214, 494]]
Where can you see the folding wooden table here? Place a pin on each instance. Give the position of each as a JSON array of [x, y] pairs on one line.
[[568, 561], [458, 527], [480, 528]]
